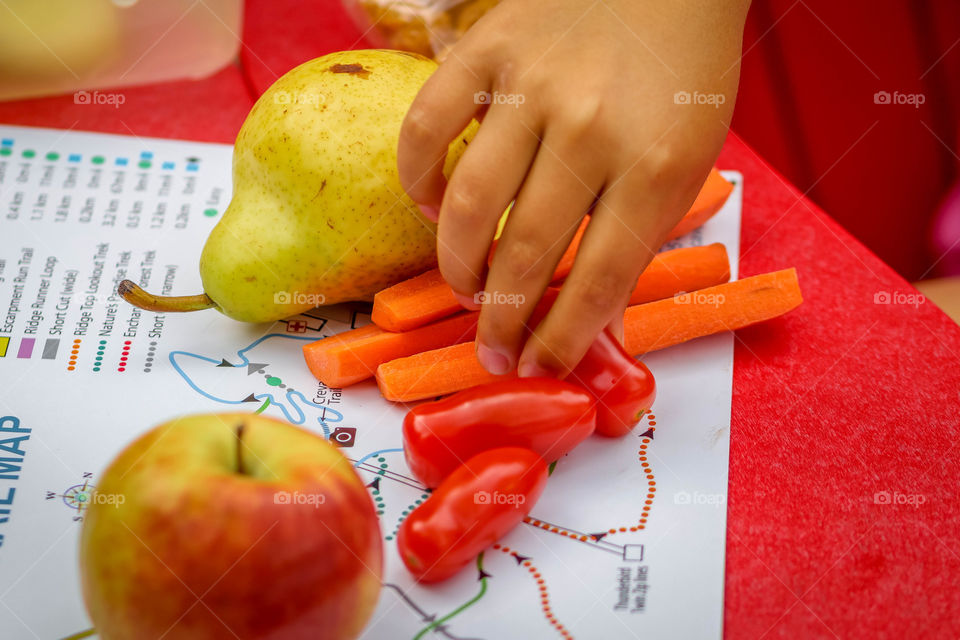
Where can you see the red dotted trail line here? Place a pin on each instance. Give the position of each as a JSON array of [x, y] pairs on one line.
[[647, 503], [542, 586], [651, 485]]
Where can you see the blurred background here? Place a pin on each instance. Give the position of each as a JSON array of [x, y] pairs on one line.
[[856, 103]]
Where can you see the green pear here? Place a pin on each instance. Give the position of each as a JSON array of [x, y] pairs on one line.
[[318, 215]]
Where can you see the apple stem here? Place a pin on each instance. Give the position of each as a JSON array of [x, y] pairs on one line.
[[240, 468], [135, 295]]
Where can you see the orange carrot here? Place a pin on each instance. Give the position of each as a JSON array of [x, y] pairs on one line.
[[711, 198], [713, 194], [725, 307], [352, 356], [426, 297], [414, 302], [432, 373], [681, 270], [647, 327]]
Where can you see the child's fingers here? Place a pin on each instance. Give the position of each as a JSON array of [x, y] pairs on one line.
[[616, 247], [486, 179], [544, 219], [442, 109]]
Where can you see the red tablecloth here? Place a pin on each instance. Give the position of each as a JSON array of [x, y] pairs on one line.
[[838, 401]]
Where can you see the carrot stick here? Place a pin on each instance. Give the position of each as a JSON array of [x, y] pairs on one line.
[[681, 270], [432, 373], [725, 307], [352, 356], [713, 194], [426, 297], [414, 302], [647, 327]]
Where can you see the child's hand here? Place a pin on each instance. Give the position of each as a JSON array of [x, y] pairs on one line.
[[582, 106]]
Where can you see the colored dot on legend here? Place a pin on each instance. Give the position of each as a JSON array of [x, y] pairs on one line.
[[53, 155], [29, 153], [74, 157], [144, 164], [273, 381], [97, 159], [120, 162], [209, 212]]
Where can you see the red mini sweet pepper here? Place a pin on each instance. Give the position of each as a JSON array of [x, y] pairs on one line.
[[623, 386], [476, 505], [546, 415]]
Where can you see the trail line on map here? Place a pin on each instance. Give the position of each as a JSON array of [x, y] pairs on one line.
[[483, 575]]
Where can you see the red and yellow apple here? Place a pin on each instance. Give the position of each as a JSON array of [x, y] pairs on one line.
[[230, 526]]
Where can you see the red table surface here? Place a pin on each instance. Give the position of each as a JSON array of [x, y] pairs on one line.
[[837, 401]]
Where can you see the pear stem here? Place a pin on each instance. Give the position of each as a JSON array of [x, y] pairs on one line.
[[135, 295]]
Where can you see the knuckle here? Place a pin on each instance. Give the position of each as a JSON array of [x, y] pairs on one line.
[[521, 258], [464, 205], [663, 165], [418, 128], [564, 349], [584, 116], [603, 290]]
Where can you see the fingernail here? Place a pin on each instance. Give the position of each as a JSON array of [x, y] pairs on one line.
[[467, 302], [430, 213], [534, 370], [496, 363]]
